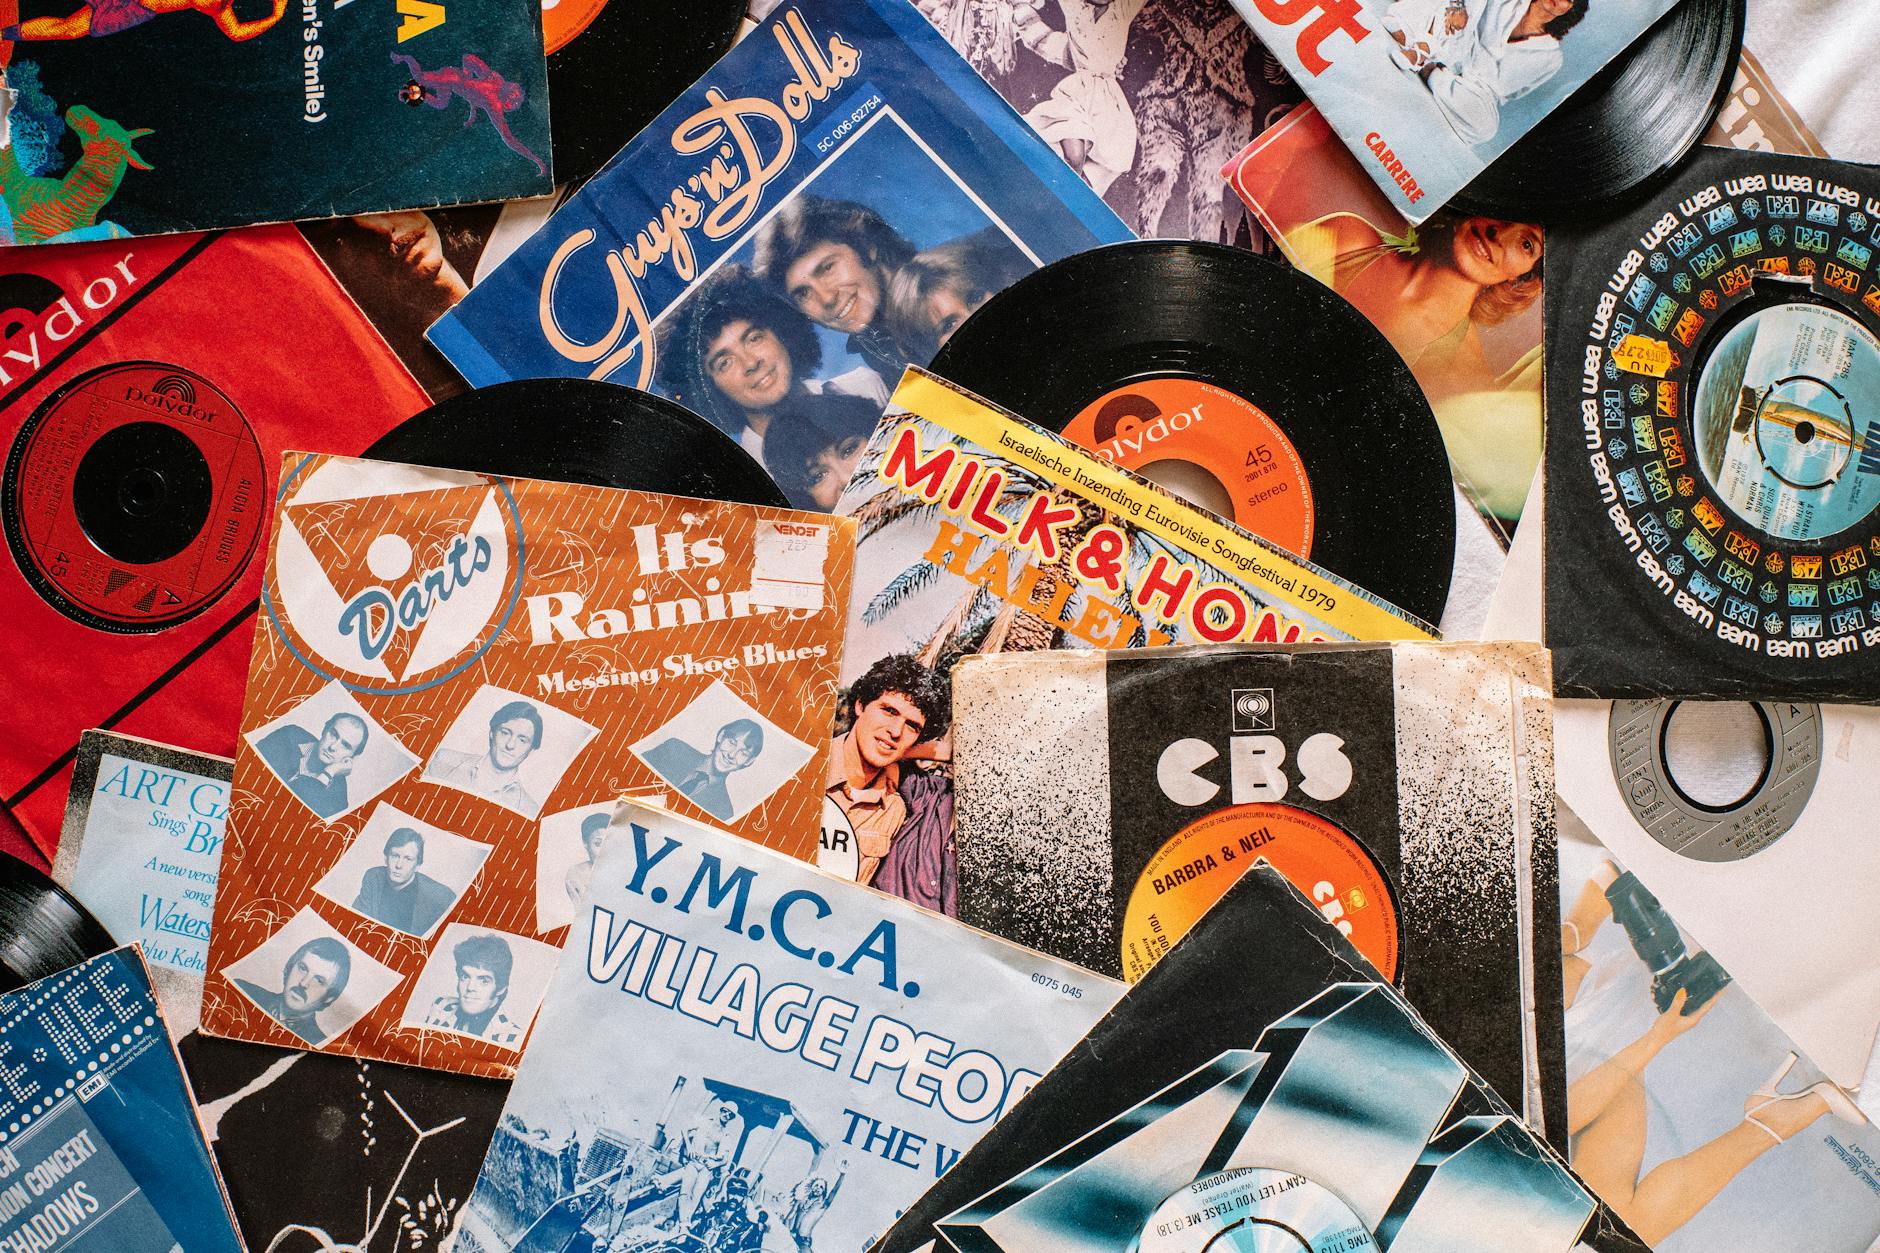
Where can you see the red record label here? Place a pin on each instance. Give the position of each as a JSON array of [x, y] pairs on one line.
[[134, 496]]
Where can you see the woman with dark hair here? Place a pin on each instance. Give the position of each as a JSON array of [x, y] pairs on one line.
[[739, 354], [834, 260], [941, 287], [1476, 55], [814, 457]]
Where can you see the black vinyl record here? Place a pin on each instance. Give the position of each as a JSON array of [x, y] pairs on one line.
[[1624, 131], [614, 66], [42, 929], [1245, 387], [581, 431]]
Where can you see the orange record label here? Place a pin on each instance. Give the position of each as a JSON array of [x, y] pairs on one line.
[[1208, 446], [562, 20], [1205, 858]]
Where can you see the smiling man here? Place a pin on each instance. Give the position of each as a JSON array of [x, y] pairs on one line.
[[484, 963], [313, 978], [700, 777], [896, 704], [515, 732], [399, 894], [834, 259]]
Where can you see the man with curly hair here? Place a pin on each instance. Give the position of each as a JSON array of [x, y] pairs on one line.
[[896, 704]]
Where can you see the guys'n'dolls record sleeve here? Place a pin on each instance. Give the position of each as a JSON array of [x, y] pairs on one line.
[[147, 390], [455, 680], [142, 117]]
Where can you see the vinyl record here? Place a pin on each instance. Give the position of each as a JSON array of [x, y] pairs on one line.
[[1240, 385], [42, 929], [614, 65], [581, 431], [1624, 130]]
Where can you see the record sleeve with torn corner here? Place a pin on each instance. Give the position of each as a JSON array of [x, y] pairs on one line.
[[1313, 1066], [1713, 444], [1104, 800]]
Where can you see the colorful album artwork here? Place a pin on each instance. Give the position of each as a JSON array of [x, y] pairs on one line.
[[816, 215], [141, 117], [1459, 297], [1426, 93], [453, 674]]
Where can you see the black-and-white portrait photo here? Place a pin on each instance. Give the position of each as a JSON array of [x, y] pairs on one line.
[[402, 872], [481, 983], [508, 749], [330, 753], [722, 755], [1146, 99], [310, 980], [566, 847]]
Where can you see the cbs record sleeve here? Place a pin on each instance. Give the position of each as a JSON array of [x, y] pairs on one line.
[[1105, 800], [1314, 1081], [457, 677], [147, 390], [1713, 462]]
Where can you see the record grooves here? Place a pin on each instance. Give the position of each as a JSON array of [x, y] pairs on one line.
[[42, 929], [1247, 388], [581, 431]]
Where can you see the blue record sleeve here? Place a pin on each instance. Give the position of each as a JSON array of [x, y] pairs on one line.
[[100, 1150], [835, 125]]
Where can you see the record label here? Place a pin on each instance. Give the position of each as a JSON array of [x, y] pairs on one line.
[[1637, 738], [1778, 433], [134, 496], [563, 20], [1254, 1210], [1197, 866], [1212, 448]]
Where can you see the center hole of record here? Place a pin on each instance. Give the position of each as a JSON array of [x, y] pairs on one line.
[[142, 492], [1804, 432], [1716, 754]]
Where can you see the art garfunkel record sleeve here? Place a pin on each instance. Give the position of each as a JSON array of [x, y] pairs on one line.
[[740, 1052], [134, 118], [1426, 93], [1312, 1106], [456, 678], [1105, 800]]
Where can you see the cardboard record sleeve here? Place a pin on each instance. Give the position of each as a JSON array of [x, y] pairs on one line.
[[211, 353]]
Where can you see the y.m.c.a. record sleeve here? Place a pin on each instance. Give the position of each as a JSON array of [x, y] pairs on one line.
[[141, 117], [741, 1052], [1105, 800], [1261, 1081], [456, 678]]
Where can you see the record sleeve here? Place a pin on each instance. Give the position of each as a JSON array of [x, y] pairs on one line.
[[142, 119], [458, 676], [141, 848], [792, 1058], [1719, 1085], [874, 183], [190, 356], [1105, 800], [1315, 1068], [1426, 94], [980, 533], [382, 1156], [102, 1146], [1712, 475]]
